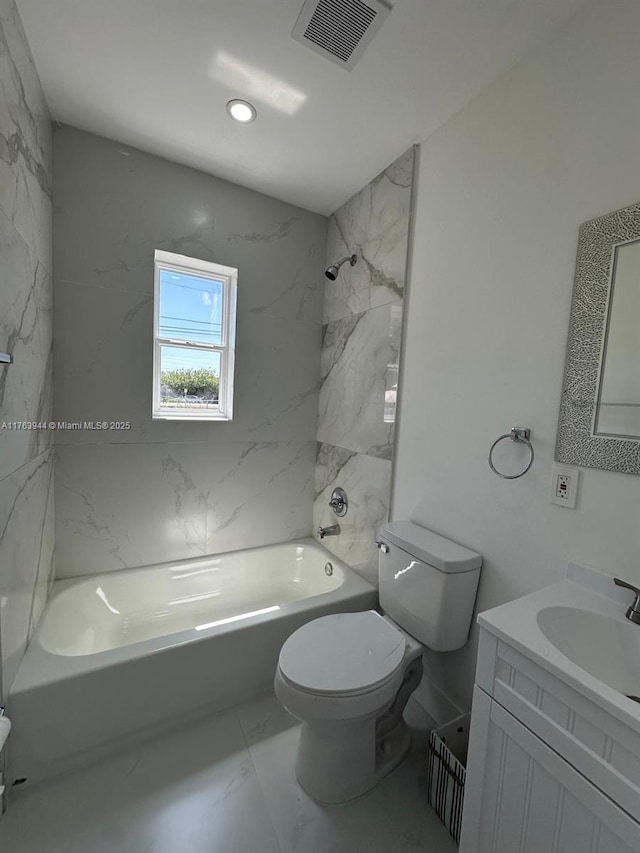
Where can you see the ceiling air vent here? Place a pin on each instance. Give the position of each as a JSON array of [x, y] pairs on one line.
[[340, 30]]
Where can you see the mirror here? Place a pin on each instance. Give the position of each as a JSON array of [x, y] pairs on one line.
[[618, 408], [599, 424]]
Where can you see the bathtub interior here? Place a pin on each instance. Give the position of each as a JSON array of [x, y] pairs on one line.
[[111, 611]]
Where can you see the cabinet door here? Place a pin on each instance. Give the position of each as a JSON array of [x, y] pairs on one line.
[[521, 797]]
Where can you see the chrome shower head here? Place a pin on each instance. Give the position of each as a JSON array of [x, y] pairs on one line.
[[332, 271]]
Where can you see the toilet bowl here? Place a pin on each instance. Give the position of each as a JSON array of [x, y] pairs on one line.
[[341, 675], [348, 676]]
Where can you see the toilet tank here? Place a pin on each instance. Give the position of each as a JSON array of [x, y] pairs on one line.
[[427, 584]]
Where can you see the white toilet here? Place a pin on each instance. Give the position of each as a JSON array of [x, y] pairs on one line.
[[348, 676]]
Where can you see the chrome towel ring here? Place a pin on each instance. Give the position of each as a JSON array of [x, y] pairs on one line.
[[521, 434]]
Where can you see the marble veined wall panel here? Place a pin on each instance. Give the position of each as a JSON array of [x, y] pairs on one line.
[[375, 225], [26, 555], [360, 361], [359, 377], [165, 490], [115, 205], [367, 481], [180, 500], [25, 140], [25, 331], [26, 465], [276, 388]]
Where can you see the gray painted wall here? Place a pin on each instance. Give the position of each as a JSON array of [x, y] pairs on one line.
[[166, 489], [360, 354], [26, 466]]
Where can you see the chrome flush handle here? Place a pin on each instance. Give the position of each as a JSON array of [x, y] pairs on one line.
[[633, 613]]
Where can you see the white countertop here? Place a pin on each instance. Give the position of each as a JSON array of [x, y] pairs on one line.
[[516, 623]]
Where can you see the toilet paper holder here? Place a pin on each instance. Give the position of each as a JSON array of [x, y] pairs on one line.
[[5, 728], [6, 725]]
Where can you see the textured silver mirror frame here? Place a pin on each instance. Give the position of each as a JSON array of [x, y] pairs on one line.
[[575, 443]]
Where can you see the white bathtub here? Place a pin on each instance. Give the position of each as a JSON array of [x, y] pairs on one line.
[[126, 654]]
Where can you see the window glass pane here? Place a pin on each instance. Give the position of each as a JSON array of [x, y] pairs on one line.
[[189, 379], [190, 308]]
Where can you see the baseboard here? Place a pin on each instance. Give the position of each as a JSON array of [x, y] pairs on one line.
[[434, 702]]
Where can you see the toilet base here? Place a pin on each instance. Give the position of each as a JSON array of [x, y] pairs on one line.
[[339, 762], [392, 750]]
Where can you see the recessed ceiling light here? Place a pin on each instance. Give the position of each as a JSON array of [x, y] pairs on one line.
[[241, 111]]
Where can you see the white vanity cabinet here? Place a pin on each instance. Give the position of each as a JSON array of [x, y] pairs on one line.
[[548, 770]]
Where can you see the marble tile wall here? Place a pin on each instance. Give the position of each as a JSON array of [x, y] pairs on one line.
[[359, 363], [167, 489], [26, 461]]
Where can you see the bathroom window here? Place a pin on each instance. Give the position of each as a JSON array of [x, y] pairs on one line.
[[194, 339]]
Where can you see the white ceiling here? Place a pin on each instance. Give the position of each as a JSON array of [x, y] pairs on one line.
[[157, 74]]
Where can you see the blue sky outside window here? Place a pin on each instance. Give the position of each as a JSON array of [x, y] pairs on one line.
[[190, 310]]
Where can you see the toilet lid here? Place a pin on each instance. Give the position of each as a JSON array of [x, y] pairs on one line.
[[342, 653]]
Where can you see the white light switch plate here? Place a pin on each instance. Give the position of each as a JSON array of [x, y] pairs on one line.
[[564, 486]]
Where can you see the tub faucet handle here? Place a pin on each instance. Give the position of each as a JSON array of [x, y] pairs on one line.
[[339, 502]]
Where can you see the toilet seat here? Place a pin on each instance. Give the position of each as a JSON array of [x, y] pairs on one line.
[[345, 654]]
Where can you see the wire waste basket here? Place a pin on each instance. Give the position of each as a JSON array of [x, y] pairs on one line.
[[446, 769]]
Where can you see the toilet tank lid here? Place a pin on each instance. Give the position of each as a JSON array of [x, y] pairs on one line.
[[429, 547]]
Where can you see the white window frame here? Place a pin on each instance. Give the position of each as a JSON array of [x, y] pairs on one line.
[[229, 278]]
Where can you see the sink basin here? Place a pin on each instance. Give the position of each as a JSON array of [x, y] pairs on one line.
[[605, 647]]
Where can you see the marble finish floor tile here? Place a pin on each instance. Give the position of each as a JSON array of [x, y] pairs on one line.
[[394, 816], [194, 791], [224, 785]]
